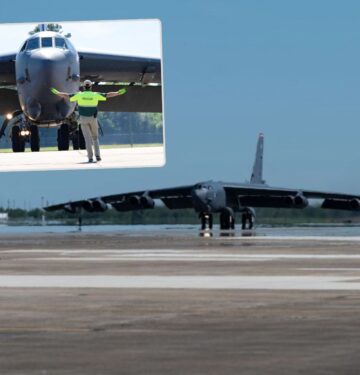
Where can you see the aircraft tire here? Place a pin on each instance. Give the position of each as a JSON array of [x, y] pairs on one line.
[[81, 140], [63, 138], [206, 221], [248, 220], [78, 140], [75, 140], [34, 138], [18, 143], [227, 219], [210, 221]]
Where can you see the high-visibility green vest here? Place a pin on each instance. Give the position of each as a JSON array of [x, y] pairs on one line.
[[87, 98], [87, 102]]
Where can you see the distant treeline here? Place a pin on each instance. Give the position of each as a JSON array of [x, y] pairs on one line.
[[162, 215]]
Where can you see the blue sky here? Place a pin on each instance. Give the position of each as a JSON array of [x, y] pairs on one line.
[[232, 69], [126, 37]]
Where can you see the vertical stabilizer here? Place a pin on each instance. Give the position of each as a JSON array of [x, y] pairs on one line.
[[257, 172]]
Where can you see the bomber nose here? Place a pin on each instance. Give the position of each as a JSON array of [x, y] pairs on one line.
[[200, 198], [50, 64], [47, 68]]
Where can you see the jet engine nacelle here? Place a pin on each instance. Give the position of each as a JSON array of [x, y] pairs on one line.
[[99, 205], [355, 204], [300, 201], [342, 204], [134, 202], [146, 202], [95, 205], [70, 208], [88, 206]]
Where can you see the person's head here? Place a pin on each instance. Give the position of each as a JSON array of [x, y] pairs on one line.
[[87, 85]]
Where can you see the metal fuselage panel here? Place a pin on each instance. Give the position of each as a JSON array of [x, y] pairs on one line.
[[37, 71], [209, 197]]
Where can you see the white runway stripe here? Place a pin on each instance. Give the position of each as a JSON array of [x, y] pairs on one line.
[[183, 282], [168, 255], [291, 238]]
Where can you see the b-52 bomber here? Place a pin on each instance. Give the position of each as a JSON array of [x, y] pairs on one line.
[[48, 59], [216, 197]]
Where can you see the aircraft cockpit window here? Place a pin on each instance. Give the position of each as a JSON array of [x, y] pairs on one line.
[[46, 42], [32, 44], [60, 43], [23, 47]]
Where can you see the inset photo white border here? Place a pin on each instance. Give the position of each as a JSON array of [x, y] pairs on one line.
[[81, 95]]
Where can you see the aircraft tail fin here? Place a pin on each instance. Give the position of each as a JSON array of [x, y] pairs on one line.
[[257, 172]]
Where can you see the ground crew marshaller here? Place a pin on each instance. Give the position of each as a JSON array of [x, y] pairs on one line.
[[87, 101]]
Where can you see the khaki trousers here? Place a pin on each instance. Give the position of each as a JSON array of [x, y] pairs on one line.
[[90, 129]]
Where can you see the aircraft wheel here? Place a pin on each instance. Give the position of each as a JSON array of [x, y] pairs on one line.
[[75, 140], [17, 141], [210, 221], [247, 220], [81, 140], [78, 140], [243, 220], [63, 138], [227, 219], [206, 221], [34, 138]]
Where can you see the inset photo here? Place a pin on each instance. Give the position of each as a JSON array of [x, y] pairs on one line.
[[81, 95]]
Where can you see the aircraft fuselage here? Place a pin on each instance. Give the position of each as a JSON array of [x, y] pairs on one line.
[[46, 60]]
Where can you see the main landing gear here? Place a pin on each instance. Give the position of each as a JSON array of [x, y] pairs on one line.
[[247, 220], [227, 219], [23, 131], [66, 134]]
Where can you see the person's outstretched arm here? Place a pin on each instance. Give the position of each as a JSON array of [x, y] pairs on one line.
[[65, 95], [115, 93]]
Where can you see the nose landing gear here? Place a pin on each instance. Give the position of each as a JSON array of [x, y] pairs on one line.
[[17, 140], [206, 220], [21, 132]]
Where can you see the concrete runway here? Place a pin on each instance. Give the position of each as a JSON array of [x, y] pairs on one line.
[[91, 303], [63, 160]]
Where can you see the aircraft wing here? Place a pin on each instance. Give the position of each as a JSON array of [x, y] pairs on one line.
[[259, 190], [137, 71], [7, 69], [9, 101], [136, 99], [237, 196], [102, 67], [267, 196], [177, 197]]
